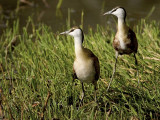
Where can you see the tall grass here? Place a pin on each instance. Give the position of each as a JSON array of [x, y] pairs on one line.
[[40, 65]]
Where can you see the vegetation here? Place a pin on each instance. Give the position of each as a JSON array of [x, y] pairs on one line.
[[36, 80]]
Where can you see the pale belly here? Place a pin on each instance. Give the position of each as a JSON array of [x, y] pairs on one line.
[[85, 71], [122, 48]]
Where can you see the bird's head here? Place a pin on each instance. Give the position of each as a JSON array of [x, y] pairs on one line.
[[120, 12], [75, 32]]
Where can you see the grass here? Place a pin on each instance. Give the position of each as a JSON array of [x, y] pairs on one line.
[[36, 68]]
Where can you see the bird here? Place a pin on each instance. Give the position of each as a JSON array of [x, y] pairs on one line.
[[125, 41], [86, 67]]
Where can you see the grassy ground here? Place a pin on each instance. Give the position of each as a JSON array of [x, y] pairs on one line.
[[36, 68]]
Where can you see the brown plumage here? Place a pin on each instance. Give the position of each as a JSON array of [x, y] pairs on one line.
[[125, 41], [130, 41], [87, 55]]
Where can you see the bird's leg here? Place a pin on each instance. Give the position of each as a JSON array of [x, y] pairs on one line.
[[95, 92], [70, 99], [73, 78], [114, 70], [82, 94], [136, 63]]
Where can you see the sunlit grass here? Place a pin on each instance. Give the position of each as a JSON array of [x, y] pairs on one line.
[[41, 63]]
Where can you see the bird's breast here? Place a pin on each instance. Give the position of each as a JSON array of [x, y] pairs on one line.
[[84, 69], [120, 43]]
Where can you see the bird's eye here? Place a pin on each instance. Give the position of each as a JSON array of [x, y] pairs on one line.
[[71, 30], [114, 10]]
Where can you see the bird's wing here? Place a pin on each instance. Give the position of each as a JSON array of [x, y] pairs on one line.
[[95, 63], [134, 43], [97, 67]]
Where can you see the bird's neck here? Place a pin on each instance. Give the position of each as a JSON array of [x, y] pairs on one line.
[[78, 45], [121, 25]]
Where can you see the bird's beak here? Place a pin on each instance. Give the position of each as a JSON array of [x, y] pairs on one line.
[[107, 13], [64, 33]]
